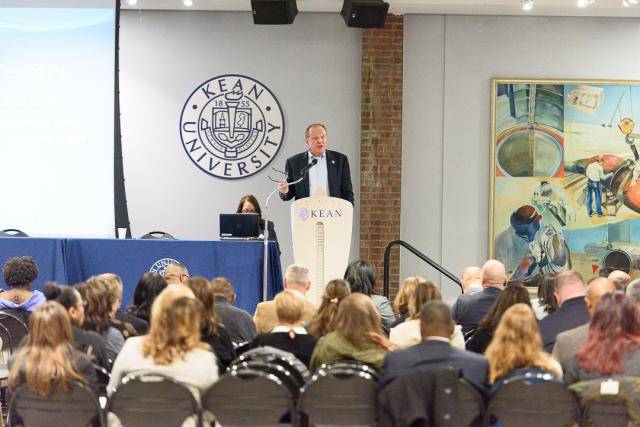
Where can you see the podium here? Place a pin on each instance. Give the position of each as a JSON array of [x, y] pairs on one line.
[[321, 232]]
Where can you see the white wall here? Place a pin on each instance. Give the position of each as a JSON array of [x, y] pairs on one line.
[[312, 66], [449, 64]]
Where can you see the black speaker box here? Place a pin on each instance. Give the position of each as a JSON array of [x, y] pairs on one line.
[[365, 13], [274, 12]]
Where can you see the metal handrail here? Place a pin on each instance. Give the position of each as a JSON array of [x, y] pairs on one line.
[[432, 263]]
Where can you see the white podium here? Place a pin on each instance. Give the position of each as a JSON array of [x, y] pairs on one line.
[[321, 232]]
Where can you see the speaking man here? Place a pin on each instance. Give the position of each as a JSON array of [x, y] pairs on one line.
[[330, 174]]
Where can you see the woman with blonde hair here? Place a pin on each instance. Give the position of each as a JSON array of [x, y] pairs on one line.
[[516, 347], [357, 335], [324, 320], [408, 333], [401, 302], [48, 361], [172, 347]]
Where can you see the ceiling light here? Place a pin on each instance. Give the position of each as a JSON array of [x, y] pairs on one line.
[[585, 3], [131, 2], [187, 3], [527, 4], [625, 3], [633, 1]]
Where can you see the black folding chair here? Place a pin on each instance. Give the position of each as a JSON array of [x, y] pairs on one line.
[[351, 364], [79, 408], [151, 400], [533, 401], [248, 397], [276, 359], [340, 395], [15, 323], [158, 235], [471, 405], [606, 414], [12, 232]]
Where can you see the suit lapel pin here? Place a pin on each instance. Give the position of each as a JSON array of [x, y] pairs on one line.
[[333, 162]]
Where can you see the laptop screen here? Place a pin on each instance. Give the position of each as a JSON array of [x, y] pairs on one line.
[[239, 225]]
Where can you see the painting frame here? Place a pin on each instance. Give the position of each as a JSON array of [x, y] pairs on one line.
[[514, 98]]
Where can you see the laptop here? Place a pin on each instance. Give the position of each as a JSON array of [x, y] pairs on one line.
[[239, 226]]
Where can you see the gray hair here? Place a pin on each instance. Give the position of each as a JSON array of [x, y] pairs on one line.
[[633, 291], [297, 274]]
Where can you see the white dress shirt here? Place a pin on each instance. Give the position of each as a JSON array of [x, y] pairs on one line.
[[318, 176]]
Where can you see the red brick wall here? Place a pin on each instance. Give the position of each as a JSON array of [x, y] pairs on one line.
[[381, 145]]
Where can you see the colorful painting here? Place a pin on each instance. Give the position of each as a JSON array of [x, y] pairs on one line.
[[565, 168]]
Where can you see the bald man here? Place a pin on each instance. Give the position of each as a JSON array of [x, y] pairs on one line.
[[572, 308], [569, 342], [471, 280], [620, 279], [176, 274], [469, 310]]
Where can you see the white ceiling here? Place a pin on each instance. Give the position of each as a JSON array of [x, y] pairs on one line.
[[464, 7]]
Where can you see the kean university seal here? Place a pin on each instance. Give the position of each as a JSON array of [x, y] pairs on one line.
[[231, 126]]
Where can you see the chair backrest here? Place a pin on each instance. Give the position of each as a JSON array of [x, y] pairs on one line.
[[534, 400], [12, 232], [247, 397], [78, 408], [266, 354], [471, 405], [606, 414], [609, 402], [14, 322], [159, 235], [152, 400], [351, 364], [340, 396], [289, 377]]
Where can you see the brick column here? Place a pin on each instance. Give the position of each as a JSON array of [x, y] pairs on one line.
[[381, 146]]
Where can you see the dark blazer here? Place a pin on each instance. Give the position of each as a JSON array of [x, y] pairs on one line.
[[338, 174], [437, 355], [301, 346], [571, 314], [237, 322], [469, 309]]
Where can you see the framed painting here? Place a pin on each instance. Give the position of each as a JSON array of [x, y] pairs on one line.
[[565, 164]]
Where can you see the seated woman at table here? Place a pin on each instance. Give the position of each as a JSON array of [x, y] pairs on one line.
[[147, 290], [212, 331], [357, 335], [249, 204], [48, 361], [19, 273], [289, 335], [97, 314], [613, 344]]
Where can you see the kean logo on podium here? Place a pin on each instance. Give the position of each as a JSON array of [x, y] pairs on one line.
[[231, 126]]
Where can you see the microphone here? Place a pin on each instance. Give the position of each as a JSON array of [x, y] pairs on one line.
[[305, 169]]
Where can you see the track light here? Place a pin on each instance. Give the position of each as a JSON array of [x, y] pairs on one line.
[[585, 3], [131, 2], [187, 3], [527, 4]]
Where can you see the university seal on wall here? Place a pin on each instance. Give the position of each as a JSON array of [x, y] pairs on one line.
[[231, 126]]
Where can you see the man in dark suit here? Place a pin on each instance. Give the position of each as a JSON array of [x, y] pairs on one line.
[[238, 322], [435, 351], [572, 312], [331, 172]]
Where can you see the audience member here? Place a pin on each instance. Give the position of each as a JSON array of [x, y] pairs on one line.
[[212, 332], [19, 273], [572, 311], [471, 280], [357, 335], [88, 342], [97, 314], [121, 320], [324, 320], [469, 310], [238, 322], [546, 302], [361, 276], [172, 347], [176, 274], [401, 302], [516, 347], [568, 343], [605, 272], [408, 333], [288, 335], [620, 279], [296, 278], [613, 344], [514, 293], [48, 361], [435, 350], [633, 291], [147, 290]]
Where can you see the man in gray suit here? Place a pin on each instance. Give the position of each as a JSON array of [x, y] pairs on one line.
[[435, 351], [568, 343]]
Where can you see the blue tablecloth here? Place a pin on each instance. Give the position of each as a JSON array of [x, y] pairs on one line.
[[74, 260]]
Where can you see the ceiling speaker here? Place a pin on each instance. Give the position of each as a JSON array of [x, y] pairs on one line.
[[274, 12], [365, 13]]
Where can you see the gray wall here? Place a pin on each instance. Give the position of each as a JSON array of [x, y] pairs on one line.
[[449, 64], [312, 66]]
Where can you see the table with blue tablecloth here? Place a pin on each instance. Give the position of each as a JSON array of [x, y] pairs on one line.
[[70, 260]]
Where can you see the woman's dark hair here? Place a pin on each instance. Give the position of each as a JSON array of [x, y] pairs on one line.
[[614, 331], [147, 290], [20, 272], [512, 294], [251, 199], [361, 277], [62, 294], [546, 289]]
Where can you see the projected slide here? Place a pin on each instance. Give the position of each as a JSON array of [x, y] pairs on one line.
[[57, 119]]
